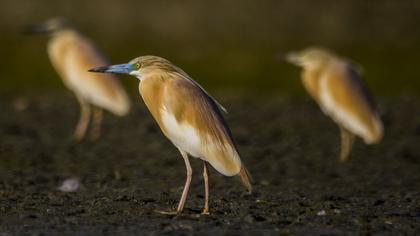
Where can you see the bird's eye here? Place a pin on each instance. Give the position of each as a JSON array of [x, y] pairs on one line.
[[138, 65]]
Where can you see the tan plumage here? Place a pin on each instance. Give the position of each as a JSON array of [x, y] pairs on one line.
[[187, 115], [72, 55], [337, 87], [190, 106]]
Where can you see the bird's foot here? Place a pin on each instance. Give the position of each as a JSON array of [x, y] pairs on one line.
[[205, 212], [95, 133], [78, 135], [94, 136], [77, 139], [169, 213]]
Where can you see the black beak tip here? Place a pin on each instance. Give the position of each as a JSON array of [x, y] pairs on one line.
[[34, 29], [281, 57], [101, 69]]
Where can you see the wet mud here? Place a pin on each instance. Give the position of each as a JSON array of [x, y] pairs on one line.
[[289, 146]]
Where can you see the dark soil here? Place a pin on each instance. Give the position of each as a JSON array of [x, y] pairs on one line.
[[290, 148]]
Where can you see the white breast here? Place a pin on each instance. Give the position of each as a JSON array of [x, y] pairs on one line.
[[72, 55], [182, 135], [339, 113]]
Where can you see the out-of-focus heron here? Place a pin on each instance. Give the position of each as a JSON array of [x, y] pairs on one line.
[[188, 116], [337, 87], [72, 55]]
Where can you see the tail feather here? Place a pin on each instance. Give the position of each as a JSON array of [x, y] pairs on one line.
[[246, 178]]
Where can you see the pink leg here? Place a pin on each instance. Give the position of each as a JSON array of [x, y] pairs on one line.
[[347, 140], [82, 126], [97, 121], [206, 189], [187, 183]]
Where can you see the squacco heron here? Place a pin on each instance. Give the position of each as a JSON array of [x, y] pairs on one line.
[[336, 85], [72, 55], [188, 116]]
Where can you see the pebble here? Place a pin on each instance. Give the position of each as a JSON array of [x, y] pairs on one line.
[[70, 185], [321, 213]]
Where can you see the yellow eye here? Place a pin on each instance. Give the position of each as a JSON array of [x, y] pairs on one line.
[[138, 65]]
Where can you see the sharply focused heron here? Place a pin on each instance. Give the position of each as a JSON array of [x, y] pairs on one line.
[[188, 116], [72, 55], [337, 87]]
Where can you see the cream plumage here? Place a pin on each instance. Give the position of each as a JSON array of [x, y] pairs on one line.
[[337, 87], [72, 55], [187, 115]]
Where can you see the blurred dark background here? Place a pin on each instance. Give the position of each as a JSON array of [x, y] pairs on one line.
[[229, 46]]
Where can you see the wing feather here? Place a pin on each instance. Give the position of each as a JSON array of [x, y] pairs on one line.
[[347, 99], [186, 77], [191, 105], [103, 90]]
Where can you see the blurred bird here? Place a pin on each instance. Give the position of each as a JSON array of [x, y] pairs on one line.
[[72, 55], [188, 116], [337, 87]]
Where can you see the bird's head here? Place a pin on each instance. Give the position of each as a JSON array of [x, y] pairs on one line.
[[140, 67], [310, 58], [50, 26]]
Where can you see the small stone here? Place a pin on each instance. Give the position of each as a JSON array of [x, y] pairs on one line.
[[321, 213], [70, 185], [265, 182]]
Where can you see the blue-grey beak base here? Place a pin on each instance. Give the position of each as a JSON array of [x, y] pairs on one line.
[[116, 69], [292, 58]]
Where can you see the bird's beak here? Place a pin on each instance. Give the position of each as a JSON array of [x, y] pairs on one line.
[[280, 57], [116, 69], [292, 57], [37, 29]]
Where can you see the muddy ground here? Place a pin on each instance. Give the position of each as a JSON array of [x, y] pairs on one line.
[[290, 148]]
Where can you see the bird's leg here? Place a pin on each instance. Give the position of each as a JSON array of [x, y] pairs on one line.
[[206, 190], [347, 140], [83, 123], [97, 121], [187, 183], [186, 187]]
